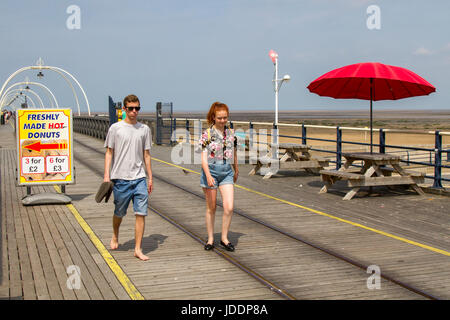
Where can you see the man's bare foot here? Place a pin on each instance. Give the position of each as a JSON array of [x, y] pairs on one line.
[[140, 255], [114, 244]]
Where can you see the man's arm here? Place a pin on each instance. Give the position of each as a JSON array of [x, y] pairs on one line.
[[108, 159], [148, 168]]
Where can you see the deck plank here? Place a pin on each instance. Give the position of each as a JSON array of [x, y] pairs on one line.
[[40, 242]]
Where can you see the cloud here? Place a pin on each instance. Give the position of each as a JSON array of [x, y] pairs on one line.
[[423, 52]]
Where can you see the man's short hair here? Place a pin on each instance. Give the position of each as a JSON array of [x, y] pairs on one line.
[[130, 98]]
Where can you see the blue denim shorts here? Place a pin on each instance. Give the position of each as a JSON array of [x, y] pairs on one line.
[[127, 190], [222, 174]]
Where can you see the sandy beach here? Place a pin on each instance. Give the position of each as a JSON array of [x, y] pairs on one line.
[[386, 119]]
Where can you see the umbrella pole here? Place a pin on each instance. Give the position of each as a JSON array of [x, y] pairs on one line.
[[371, 127]]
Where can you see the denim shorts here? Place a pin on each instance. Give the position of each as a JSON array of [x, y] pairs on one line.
[[221, 172], [127, 190]]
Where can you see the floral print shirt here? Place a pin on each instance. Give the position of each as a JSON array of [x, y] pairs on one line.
[[219, 147]]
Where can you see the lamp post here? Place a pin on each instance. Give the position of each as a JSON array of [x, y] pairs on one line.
[[276, 85], [277, 82]]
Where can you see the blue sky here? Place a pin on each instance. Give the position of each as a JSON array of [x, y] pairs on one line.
[[195, 52]]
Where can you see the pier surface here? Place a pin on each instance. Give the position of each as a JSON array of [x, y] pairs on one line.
[[62, 251]]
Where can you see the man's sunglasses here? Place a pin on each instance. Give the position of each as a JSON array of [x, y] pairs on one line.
[[133, 108]]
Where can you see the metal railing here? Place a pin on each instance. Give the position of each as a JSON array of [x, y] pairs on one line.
[[421, 156], [97, 126]]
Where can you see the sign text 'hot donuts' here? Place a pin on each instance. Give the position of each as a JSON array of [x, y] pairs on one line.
[[44, 146]]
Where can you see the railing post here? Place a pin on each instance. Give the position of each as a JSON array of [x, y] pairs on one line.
[[250, 136], [104, 130], [173, 129], [159, 123], [382, 141], [188, 140], [303, 134], [338, 147], [200, 129], [437, 160]]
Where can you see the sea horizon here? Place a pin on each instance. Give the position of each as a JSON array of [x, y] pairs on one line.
[[442, 114]]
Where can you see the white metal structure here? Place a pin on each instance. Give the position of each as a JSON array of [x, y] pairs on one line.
[[2, 100], [12, 96], [60, 71], [50, 94]]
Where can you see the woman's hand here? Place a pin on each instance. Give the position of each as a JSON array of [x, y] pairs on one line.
[[236, 174], [211, 181]]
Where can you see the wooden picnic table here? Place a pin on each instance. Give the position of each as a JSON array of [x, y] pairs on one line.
[[291, 156], [377, 170]]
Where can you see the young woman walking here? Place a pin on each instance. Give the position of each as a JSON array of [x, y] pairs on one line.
[[218, 144]]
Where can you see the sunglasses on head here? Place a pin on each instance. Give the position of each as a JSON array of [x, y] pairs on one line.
[[133, 108]]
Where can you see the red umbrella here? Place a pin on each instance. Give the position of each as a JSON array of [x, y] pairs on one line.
[[371, 81]]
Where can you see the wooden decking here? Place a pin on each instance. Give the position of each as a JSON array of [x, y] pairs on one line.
[[39, 243], [406, 235]]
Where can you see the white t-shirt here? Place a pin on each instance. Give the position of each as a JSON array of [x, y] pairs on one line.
[[129, 142]]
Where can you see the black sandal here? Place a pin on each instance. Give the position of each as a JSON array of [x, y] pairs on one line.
[[209, 246], [228, 247]]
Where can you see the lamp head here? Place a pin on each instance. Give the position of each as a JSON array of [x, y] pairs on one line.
[[286, 77], [273, 55]]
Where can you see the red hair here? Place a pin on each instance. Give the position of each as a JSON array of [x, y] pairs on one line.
[[216, 106]]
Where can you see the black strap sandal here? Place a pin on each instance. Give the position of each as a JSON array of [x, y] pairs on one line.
[[228, 247]]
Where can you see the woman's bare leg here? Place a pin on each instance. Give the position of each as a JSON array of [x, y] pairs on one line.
[[227, 192], [211, 200]]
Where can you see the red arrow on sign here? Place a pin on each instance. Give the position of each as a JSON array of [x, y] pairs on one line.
[[38, 146]]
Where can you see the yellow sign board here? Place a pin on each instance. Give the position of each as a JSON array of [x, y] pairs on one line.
[[44, 146]]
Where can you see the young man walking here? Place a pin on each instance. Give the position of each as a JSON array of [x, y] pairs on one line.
[[127, 158]]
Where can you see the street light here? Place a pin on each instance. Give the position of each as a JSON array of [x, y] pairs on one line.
[[40, 63], [277, 85], [25, 104], [286, 78], [277, 82]]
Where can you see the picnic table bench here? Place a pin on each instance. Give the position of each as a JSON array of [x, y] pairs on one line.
[[291, 156], [377, 170]]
